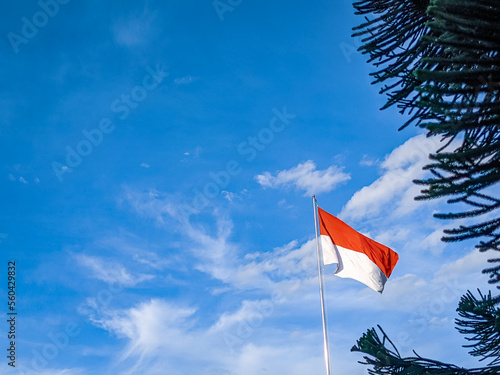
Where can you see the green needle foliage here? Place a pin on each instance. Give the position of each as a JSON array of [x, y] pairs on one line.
[[481, 319], [385, 359], [439, 62], [392, 40], [461, 91]]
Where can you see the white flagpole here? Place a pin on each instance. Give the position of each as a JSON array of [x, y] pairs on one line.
[[320, 276]]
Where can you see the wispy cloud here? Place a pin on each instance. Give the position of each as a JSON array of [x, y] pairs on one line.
[[110, 272], [400, 168], [233, 197], [161, 335], [21, 179], [305, 177], [444, 286], [149, 326], [215, 254], [151, 259], [417, 299], [464, 268], [366, 161], [185, 80]]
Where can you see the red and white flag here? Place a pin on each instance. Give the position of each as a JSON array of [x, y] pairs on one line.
[[357, 256]]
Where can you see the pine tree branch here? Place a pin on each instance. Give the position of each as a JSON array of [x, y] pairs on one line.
[[384, 358], [481, 320]]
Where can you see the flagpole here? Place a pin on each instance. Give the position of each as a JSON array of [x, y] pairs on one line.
[[320, 276]]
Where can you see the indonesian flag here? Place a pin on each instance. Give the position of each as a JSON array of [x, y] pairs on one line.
[[357, 256]]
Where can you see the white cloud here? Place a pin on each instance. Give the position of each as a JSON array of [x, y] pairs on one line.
[[433, 242], [400, 168], [421, 295], [366, 161], [185, 80], [162, 337], [249, 311], [283, 203], [257, 338], [21, 179], [466, 267], [232, 197], [194, 153], [305, 177], [152, 260], [291, 267], [149, 326], [110, 272], [215, 254], [144, 165], [426, 294]]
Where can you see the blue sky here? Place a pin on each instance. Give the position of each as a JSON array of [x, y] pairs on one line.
[[158, 161]]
